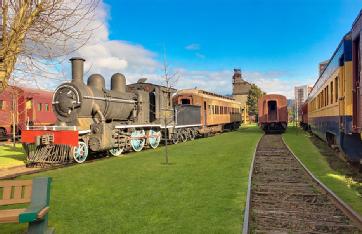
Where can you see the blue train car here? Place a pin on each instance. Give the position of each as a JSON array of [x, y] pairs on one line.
[[331, 103]]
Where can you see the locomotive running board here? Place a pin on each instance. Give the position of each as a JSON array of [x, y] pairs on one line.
[[155, 126]]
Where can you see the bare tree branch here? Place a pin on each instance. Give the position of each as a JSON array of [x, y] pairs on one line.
[[41, 32]]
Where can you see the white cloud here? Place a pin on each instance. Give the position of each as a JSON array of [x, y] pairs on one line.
[[193, 46], [221, 81], [201, 56], [106, 57]]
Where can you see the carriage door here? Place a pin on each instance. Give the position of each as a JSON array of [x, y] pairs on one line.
[[357, 98], [272, 111], [29, 111], [205, 113], [152, 98], [358, 85]]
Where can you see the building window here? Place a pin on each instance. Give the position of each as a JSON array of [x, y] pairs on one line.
[[46, 107], [39, 106], [2, 105]]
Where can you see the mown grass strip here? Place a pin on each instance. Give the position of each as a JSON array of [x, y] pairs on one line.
[[203, 190], [10, 156], [338, 179]]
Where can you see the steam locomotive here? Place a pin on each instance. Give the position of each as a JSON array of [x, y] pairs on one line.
[[92, 118]]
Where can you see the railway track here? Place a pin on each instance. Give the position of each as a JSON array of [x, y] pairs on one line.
[[284, 197]]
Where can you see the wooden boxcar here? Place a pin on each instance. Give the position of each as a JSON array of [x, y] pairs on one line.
[[217, 112], [24, 106], [273, 113]]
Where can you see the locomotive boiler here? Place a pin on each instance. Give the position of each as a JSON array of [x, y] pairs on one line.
[[75, 102]]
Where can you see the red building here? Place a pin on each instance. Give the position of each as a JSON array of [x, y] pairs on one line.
[[24, 106]]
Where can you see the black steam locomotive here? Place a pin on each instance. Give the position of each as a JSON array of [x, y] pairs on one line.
[[91, 117]]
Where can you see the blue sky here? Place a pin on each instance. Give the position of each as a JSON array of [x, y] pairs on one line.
[[276, 43]]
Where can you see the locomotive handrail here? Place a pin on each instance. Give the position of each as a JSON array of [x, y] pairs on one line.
[[110, 99]]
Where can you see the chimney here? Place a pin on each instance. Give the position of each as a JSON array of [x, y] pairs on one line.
[[77, 69]]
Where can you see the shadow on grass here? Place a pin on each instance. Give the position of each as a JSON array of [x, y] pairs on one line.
[[334, 160], [249, 129], [8, 151]]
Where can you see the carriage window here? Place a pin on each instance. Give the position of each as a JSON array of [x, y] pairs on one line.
[[185, 101], [39, 106], [332, 92], [29, 104], [336, 87], [1, 104], [46, 107]]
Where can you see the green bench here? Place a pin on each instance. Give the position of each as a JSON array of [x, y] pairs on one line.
[[37, 193]]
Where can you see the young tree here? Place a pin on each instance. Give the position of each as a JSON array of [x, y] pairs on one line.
[[37, 32], [169, 79], [254, 94]]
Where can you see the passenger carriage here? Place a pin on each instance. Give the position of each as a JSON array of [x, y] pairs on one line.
[[333, 104], [27, 106], [273, 113]]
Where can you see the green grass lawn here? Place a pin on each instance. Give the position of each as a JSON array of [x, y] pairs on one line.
[[332, 171], [10, 156], [203, 190]]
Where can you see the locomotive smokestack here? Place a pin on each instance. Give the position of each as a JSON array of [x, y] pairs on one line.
[[77, 69]]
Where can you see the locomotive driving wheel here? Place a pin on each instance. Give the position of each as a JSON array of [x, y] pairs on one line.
[[138, 140], [80, 153], [175, 138], [184, 135], [117, 152], [192, 134], [154, 138]]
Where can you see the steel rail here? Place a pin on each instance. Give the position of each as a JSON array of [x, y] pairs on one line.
[[248, 195], [345, 208]]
